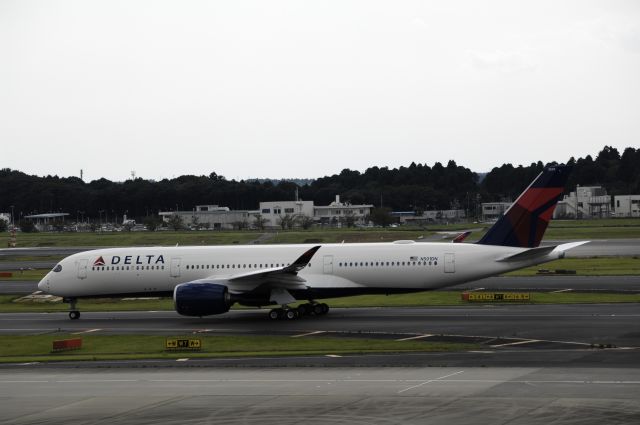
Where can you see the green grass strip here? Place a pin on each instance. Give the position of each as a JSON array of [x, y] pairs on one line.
[[31, 348]]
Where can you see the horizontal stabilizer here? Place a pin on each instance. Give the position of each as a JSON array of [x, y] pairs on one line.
[[557, 250], [529, 254]]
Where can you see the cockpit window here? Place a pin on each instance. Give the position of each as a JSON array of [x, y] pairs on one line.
[[57, 268]]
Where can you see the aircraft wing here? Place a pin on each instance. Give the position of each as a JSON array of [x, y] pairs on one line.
[[273, 278]]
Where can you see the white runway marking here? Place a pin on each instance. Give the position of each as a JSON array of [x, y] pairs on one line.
[[86, 332], [508, 344], [415, 337], [430, 381], [308, 334]]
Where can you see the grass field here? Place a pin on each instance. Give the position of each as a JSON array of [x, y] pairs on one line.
[[30, 348]]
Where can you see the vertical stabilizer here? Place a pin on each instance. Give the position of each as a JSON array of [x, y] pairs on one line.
[[525, 222]]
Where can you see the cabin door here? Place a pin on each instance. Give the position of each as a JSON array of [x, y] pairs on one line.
[[82, 268], [175, 267], [328, 264], [450, 263]]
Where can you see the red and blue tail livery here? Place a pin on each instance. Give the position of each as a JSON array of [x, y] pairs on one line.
[[525, 222]]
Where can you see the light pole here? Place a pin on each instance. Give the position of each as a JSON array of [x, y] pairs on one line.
[[12, 223]]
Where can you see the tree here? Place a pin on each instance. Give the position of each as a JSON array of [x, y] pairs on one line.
[[27, 226], [152, 222], [349, 218], [175, 222], [285, 221], [305, 221], [4, 226], [381, 216], [260, 221]]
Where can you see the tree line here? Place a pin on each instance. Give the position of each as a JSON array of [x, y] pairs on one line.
[[417, 187]]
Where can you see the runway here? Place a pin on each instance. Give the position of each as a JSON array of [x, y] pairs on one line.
[[450, 395], [573, 326]]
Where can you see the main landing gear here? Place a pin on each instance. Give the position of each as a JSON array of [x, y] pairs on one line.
[[308, 309], [74, 313]]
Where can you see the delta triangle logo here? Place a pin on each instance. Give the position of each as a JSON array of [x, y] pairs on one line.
[[99, 261]]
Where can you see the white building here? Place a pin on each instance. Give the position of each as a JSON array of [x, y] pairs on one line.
[[492, 211], [585, 202], [274, 212], [627, 205], [213, 217], [337, 213]]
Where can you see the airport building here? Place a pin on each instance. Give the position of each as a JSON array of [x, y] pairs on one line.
[[585, 202], [491, 211], [627, 205], [272, 213], [337, 213], [212, 217]]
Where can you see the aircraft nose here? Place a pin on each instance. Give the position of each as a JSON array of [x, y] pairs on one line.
[[43, 285]]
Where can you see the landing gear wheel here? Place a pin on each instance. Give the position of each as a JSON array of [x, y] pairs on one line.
[[74, 313], [291, 314], [275, 314], [325, 308], [305, 309]]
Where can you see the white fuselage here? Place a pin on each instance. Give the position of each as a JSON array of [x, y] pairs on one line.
[[402, 265]]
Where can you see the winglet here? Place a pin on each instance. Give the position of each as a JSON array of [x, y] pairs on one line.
[[562, 249], [302, 261]]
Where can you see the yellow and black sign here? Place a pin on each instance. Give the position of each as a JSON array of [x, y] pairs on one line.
[[177, 344], [496, 296]]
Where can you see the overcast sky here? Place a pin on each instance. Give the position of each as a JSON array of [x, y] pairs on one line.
[[307, 88]]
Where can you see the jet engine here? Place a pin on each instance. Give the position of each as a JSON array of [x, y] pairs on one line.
[[201, 299]]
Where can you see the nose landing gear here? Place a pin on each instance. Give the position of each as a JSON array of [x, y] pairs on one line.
[[74, 313]]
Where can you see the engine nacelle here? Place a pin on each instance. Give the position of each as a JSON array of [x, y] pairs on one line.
[[201, 299]]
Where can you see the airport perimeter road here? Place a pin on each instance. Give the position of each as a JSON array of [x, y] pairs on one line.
[[450, 395], [572, 326]]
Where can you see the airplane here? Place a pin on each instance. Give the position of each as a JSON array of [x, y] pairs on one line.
[[208, 280]]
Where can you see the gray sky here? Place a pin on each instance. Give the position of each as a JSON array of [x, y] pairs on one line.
[[307, 88]]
